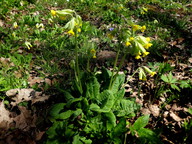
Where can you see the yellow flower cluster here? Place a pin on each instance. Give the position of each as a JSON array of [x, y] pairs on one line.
[[138, 27], [144, 10], [142, 72], [93, 52], [139, 45], [75, 22]]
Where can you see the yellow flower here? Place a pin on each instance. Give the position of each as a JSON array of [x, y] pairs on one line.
[[145, 9], [152, 73], [28, 44], [137, 56], [148, 39], [13, 34], [93, 51], [135, 27], [94, 56], [79, 30], [53, 13], [15, 25], [149, 71], [142, 75], [127, 43], [143, 28], [39, 25], [71, 32], [148, 45], [131, 38], [145, 53]]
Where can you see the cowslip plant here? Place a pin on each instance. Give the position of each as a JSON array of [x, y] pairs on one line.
[[95, 108], [74, 27], [96, 114]]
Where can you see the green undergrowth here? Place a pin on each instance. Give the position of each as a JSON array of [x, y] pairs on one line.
[[62, 40]]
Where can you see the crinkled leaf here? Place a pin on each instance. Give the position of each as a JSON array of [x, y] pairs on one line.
[[117, 83], [110, 120], [108, 101], [125, 107], [119, 129], [93, 89]]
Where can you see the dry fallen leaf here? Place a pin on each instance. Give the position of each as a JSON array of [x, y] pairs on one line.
[[5, 119], [155, 110], [25, 120], [190, 60], [175, 117], [21, 95]]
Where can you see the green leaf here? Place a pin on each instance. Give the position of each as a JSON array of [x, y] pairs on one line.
[[165, 78], [55, 110], [120, 94], [119, 129], [85, 141], [65, 115], [76, 140], [184, 84], [125, 107], [109, 100], [190, 110], [117, 83], [73, 101], [173, 86], [141, 122], [148, 136], [93, 89], [67, 96], [110, 120], [170, 77]]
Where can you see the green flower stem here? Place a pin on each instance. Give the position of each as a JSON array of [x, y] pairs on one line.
[[77, 71], [114, 66], [130, 78], [119, 68]]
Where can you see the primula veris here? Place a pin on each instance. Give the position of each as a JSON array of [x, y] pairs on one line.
[[148, 45], [131, 38], [94, 56], [15, 25], [149, 71], [135, 27], [79, 30], [137, 57], [148, 39], [71, 32], [127, 43], [145, 53], [53, 12], [28, 44], [143, 28], [93, 51]]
